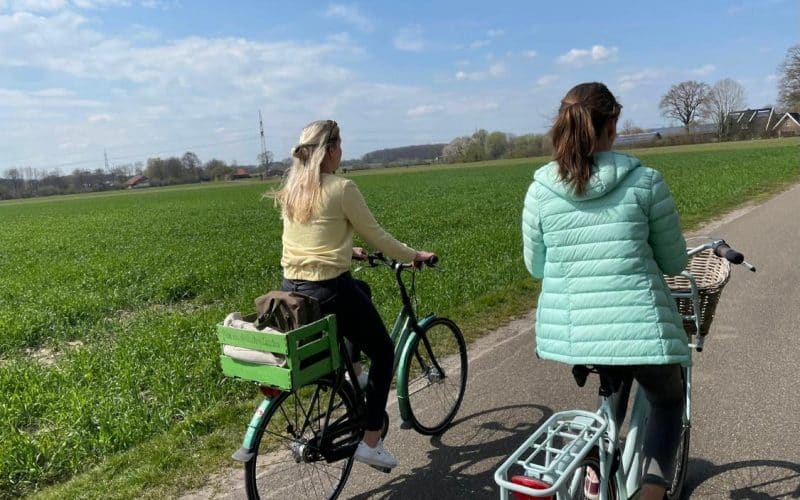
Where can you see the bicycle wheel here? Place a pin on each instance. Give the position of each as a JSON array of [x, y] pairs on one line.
[[433, 396], [289, 461], [579, 484], [681, 463]]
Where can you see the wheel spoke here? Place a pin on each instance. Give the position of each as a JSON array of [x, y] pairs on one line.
[[287, 464], [436, 376]]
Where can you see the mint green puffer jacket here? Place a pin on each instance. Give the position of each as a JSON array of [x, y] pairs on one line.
[[601, 257]]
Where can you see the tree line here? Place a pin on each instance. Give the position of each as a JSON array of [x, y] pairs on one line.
[[483, 145], [26, 182], [413, 154]]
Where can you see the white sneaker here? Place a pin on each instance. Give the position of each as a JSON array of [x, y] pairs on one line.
[[363, 377], [377, 457]]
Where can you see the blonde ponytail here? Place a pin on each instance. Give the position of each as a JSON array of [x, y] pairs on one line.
[[301, 190]]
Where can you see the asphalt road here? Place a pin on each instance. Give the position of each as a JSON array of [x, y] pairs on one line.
[[746, 400]]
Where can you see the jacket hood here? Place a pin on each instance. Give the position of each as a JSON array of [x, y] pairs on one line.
[[608, 170]]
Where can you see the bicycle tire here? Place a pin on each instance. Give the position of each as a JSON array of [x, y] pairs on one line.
[[681, 462], [592, 460], [421, 379], [288, 465]]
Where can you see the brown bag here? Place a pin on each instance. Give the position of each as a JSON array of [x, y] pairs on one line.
[[286, 311]]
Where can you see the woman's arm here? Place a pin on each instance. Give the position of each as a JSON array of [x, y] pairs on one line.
[[364, 223], [534, 250]]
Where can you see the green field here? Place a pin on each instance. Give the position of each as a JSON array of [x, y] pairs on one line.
[[108, 302]]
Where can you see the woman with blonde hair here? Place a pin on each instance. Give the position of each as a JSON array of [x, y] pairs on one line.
[[320, 213]]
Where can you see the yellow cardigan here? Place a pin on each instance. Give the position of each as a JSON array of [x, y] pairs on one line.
[[322, 248]]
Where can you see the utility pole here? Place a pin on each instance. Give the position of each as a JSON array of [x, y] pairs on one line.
[[263, 143], [105, 155]]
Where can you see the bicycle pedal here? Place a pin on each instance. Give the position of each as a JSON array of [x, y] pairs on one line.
[[385, 470]]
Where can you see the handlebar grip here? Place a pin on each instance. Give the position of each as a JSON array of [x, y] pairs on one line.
[[432, 261], [729, 253]]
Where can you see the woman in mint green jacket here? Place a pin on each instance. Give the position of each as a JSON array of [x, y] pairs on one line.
[[600, 230]]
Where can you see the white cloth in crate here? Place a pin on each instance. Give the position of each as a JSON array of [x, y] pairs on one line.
[[234, 320]]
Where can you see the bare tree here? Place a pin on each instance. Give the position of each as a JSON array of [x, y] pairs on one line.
[[628, 127], [14, 175], [789, 84], [264, 159], [191, 165], [725, 96], [682, 101]]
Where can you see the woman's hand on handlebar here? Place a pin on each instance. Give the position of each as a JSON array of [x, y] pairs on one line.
[[359, 253], [425, 258]]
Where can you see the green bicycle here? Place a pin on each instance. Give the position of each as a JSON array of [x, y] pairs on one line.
[[300, 441]]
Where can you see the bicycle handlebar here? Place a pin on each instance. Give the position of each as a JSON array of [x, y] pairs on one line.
[[377, 258], [723, 250]]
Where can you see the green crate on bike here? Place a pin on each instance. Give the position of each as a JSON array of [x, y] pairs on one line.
[[311, 352]]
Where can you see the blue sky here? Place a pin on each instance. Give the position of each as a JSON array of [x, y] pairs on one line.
[[141, 78]]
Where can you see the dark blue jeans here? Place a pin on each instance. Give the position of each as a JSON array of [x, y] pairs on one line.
[[358, 321], [664, 388]]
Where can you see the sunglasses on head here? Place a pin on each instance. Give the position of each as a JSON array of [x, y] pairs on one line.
[[333, 138]]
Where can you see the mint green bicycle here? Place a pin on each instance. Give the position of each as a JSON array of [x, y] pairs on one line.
[[301, 440], [556, 460]]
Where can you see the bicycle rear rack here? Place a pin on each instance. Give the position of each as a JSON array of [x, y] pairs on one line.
[[553, 452]]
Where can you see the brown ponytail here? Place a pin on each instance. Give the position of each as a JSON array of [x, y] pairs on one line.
[[584, 111]]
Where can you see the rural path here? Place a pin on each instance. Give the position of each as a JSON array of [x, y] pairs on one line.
[[746, 405]]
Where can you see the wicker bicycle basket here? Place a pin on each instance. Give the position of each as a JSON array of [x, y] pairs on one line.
[[711, 274]]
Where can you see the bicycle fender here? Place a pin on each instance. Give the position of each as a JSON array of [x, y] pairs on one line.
[[402, 390], [244, 454]]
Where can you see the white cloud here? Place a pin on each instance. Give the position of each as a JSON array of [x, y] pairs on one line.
[[496, 70], [424, 110], [62, 44], [44, 99], [704, 70], [546, 80], [343, 37], [53, 92], [495, 33], [157, 4], [463, 106], [101, 4], [162, 92], [597, 54], [477, 44], [36, 5], [50, 6], [102, 117], [630, 81], [410, 39], [736, 9], [350, 14], [530, 54]]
